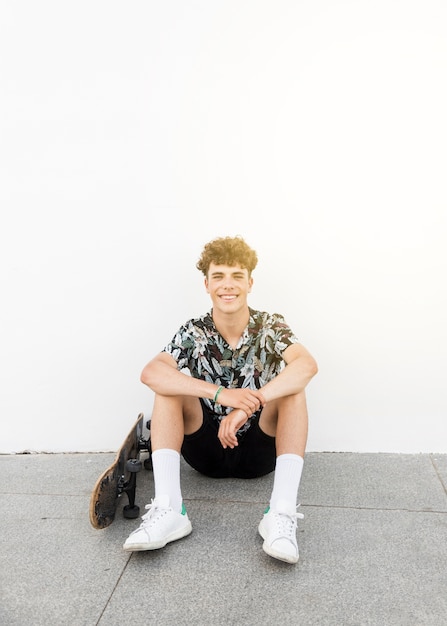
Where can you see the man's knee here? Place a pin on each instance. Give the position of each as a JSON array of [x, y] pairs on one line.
[[269, 418], [285, 408]]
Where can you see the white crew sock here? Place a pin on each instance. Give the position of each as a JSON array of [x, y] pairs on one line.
[[166, 465], [287, 480]]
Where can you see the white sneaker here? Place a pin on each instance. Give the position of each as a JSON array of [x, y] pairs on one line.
[[278, 529], [160, 525]]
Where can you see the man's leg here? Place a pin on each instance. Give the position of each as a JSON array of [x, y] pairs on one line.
[[166, 519], [287, 420], [172, 418]]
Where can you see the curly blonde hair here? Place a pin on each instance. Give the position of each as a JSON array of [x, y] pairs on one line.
[[227, 251]]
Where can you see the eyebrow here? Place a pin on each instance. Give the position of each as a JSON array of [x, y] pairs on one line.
[[236, 273]]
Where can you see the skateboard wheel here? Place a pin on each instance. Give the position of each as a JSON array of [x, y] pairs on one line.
[[133, 465], [131, 512]]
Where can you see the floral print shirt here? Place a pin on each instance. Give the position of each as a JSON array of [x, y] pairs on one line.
[[199, 348]]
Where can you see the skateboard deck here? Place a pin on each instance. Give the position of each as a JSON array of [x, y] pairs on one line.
[[120, 478]]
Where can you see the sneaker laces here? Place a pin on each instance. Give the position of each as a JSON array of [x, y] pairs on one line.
[[287, 522], [154, 512]]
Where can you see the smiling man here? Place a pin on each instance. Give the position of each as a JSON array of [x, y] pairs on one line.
[[230, 398]]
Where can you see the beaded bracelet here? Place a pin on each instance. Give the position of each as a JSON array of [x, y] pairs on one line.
[[216, 395]]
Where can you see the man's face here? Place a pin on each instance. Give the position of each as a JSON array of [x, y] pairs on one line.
[[228, 287]]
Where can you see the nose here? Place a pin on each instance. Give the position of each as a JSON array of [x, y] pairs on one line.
[[228, 283]]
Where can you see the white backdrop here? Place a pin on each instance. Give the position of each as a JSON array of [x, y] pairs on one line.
[[132, 133]]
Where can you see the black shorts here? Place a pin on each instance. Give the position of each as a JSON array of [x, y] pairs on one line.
[[254, 456]]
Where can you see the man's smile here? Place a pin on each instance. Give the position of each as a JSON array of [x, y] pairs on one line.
[[228, 297]]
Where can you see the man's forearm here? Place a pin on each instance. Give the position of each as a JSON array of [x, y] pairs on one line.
[[293, 379], [168, 381]]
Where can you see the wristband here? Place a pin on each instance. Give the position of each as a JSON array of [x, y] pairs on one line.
[[216, 395]]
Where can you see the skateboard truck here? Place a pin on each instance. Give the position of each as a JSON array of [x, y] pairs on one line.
[[147, 446], [133, 466]]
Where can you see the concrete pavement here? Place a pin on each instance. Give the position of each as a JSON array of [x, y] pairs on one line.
[[373, 548]]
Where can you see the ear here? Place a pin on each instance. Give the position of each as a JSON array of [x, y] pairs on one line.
[[250, 284], [205, 282]]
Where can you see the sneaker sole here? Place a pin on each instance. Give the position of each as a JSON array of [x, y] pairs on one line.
[[156, 545], [271, 551]]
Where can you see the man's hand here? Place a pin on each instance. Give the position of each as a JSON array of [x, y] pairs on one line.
[[229, 427], [248, 400]]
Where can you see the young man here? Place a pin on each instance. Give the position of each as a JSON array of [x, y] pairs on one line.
[[239, 411]]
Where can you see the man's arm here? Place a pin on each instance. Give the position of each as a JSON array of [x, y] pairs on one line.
[[300, 368], [163, 377]]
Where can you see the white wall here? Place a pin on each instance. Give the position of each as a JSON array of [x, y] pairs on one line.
[[132, 133]]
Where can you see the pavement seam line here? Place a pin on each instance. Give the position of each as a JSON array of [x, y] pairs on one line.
[[371, 508], [435, 467], [113, 591], [324, 506]]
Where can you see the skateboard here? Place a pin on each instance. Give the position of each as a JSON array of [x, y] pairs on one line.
[[121, 478]]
